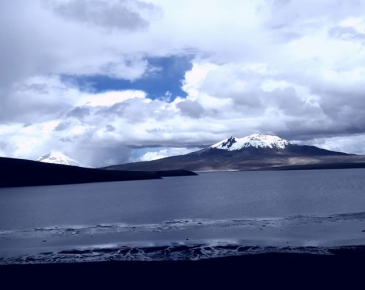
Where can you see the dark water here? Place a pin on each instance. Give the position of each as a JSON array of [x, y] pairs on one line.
[[209, 202], [220, 195]]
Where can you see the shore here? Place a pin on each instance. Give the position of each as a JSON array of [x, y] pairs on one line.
[[311, 252], [343, 268]]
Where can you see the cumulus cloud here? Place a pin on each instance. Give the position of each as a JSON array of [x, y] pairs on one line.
[[290, 68], [352, 144], [162, 153], [127, 15], [190, 108]]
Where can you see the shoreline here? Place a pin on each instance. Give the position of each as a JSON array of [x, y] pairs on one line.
[[325, 166], [182, 239]]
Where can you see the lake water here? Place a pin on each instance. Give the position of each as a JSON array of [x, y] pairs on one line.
[[265, 209]]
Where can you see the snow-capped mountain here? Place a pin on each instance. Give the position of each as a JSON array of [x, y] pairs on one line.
[[59, 158], [253, 152], [254, 140]]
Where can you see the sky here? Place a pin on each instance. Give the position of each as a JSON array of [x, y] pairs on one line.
[[115, 81]]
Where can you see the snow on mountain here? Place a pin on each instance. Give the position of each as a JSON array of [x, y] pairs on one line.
[[254, 140], [59, 158]]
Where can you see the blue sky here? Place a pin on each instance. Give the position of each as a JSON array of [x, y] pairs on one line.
[[166, 76]]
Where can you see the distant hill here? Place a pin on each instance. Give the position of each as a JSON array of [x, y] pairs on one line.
[[20, 172], [254, 152]]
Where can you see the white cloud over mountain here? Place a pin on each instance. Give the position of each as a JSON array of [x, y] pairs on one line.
[[289, 68]]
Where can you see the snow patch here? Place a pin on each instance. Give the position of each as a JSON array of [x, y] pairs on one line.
[[254, 140]]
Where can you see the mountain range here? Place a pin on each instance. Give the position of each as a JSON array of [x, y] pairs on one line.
[[253, 152]]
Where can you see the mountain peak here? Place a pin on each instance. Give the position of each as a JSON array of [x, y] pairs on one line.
[[229, 142], [254, 140], [57, 157]]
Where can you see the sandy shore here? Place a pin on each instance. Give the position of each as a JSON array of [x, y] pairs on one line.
[[342, 269]]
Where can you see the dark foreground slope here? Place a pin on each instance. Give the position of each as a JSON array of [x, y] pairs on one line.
[[342, 269]]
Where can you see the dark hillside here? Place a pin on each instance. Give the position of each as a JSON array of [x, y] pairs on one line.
[[20, 172]]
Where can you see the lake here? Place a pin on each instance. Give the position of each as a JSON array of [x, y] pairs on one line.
[[316, 208]]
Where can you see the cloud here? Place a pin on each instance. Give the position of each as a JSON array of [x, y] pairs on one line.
[[79, 112], [109, 98], [162, 153], [129, 15], [290, 68], [353, 144], [36, 43], [62, 126], [190, 108], [345, 33]]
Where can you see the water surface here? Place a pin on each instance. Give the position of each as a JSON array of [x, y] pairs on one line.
[[303, 208], [218, 195]]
